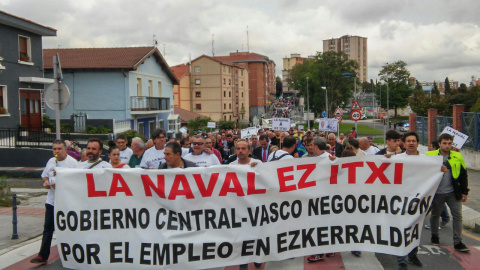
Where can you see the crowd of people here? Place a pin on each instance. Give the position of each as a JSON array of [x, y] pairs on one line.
[[227, 147]]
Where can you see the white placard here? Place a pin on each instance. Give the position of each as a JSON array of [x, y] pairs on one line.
[[300, 127], [199, 218], [327, 124], [211, 124], [459, 138], [293, 125], [183, 130], [248, 132], [282, 124]]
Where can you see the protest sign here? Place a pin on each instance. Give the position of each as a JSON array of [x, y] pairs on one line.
[[183, 130], [282, 124], [300, 127], [459, 138], [211, 124], [327, 124], [248, 132], [199, 218]]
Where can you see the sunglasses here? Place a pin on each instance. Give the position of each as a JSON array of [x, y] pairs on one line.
[[197, 143]]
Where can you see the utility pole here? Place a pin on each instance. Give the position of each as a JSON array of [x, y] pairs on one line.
[[308, 108]]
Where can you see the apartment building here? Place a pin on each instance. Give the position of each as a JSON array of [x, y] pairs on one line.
[[441, 85], [214, 88], [261, 73], [355, 47], [288, 64]]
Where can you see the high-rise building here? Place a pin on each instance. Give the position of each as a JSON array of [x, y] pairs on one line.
[[288, 64], [356, 49]]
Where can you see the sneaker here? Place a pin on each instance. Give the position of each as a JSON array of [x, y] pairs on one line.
[[428, 227], [357, 253], [402, 266], [38, 260], [330, 254], [414, 260], [258, 265], [435, 240], [243, 266], [316, 258], [461, 247]]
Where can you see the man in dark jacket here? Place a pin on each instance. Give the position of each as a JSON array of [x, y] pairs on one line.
[[261, 152], [173, 157], [336, 148], [453, 190]]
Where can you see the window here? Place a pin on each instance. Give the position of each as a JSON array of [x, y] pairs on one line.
[[223, 81], [224, 94], [24, 49], [141, 128], [230, 106], [197, 69], [3, 97], [229, 70], [198, 94], [198, 107], [197, 81], [160, 123], [150, 88], [242, 94], [225, 117], [229, 81], [160, 94], [224, 106], [229, 94], [241, 83], [241, 72], [139, 88], [230, 118], [223, 68], [151, 127], [172, 125]]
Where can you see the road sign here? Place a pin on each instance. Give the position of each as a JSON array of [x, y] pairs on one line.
[[338, 111], [355, 106], [50, 96], [324, 114], [339, 118], [356, 115]]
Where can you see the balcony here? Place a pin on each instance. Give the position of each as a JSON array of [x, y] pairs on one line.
[[144, 105]]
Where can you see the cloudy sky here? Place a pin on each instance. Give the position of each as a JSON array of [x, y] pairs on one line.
[[437, 38]]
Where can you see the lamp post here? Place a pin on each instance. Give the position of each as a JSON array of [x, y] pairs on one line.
[[308, 108], [326, 100]]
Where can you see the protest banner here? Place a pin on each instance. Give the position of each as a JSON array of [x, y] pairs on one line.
[[459, 138], [282, 124], [327, 124], [199, 218], [248, 132]]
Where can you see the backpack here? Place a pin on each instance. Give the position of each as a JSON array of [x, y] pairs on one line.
[[278, 158]]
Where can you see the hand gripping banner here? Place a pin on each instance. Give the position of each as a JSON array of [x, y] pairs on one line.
[[198, 218]]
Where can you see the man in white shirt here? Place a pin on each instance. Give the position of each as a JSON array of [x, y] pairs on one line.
[[199, 156], [242, 148], [288, 146], [60, 159], [366, 147], [94, 151], [155, 156], [310, 148], [320, 147], [125, 152]]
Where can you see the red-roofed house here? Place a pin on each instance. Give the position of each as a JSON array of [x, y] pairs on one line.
[[213, 88], [261, 74], [120, 88]]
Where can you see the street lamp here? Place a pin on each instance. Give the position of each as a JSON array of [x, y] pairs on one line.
[[326, 100], [308, 108], [355, 82]]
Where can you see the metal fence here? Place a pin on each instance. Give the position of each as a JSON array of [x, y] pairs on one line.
[[471, 126], [441, 122], [79, 122], [421, 123], [31, 137], [138, 103]]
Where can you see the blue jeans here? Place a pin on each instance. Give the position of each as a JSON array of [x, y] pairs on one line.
[[48, 229], [445, 216]]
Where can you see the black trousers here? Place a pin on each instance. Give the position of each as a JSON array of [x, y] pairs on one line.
[[48, 228]]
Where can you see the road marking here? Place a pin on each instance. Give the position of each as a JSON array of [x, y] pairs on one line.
[[470, 235]]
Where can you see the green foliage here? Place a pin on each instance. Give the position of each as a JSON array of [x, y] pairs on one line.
[[65, 128], [325, 70], [395, 76], [435, 90], [130, 134], [469, 98], [448, 90], [100, 130], [420, 102], [222, 124], [47, 123], [462, 88], [198, 122], [418, 87]]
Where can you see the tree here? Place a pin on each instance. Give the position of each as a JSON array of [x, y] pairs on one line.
[[418, 86], [325, 70], [278, 86], [435, 89], [395, 76], [420, 102], [463, 88], [198, 123], [448, 90]]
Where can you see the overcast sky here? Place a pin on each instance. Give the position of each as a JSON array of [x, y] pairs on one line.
[[437, 38]]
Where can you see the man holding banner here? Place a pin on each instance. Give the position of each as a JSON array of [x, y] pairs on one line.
[[155, 156], [198, 155]]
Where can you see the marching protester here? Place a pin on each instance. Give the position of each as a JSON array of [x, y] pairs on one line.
[[72, 149], [453, 190], [242, 149], [366, 147], [356, 147], [199, 154], [370, 141], [138, 149], [336, 147], [173, 157], [262, 151], [149, 145], [300, 148], [94, 152], [154, 156], [392, 139], [83, 155], [288, 147], [125, 152], [209, 145], [60, 159], [114, 156], [310, 148], [254, 141], [185, 143]]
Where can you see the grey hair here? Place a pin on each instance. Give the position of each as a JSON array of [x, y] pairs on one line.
[[139, 142]]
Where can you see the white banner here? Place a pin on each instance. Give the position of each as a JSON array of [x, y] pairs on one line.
[[199, 218], [211, 124], [459, 138], [282, 124], [248, 132], [327, 124]]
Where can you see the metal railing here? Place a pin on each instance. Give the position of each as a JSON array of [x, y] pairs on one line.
[[471, 126], [441, 122], [149, 104], [28, 137], [421, 125]]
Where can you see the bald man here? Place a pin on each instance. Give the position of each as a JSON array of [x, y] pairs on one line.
[[336, 148], [366, 147]]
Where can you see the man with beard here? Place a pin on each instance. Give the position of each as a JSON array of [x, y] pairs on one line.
[[94, 151]]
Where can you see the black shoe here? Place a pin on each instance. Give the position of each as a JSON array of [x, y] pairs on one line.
[[415, 261], [435, 240], [402, 266], [461, 247], [243, 266], [258, 265]]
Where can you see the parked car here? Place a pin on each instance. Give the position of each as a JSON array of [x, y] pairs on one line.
[[405, 127]]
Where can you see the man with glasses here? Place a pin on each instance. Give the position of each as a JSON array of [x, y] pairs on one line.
[[209, 145], [198, 155], [155, 156], [125, 152]]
